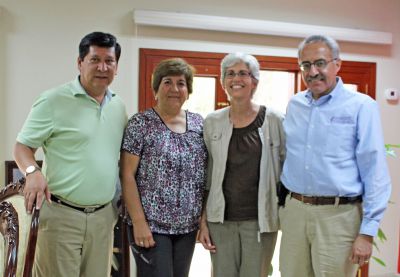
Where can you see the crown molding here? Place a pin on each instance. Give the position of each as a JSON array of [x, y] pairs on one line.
[[254, 26]]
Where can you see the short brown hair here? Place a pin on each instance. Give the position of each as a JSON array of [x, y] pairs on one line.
[[172, 67]]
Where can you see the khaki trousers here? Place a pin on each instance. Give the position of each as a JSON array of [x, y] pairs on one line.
[[317, 239], [239, 251], [72, 243]]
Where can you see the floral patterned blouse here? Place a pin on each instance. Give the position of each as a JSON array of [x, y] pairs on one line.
[[171, 174]]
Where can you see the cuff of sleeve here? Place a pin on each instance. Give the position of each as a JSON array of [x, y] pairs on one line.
[[27, 142], [369, 227]]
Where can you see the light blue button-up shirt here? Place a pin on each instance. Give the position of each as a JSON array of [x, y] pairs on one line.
[[335, 147]]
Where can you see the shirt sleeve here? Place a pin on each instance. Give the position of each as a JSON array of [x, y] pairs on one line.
[[38, 126], [282, 136], [134, 134], [371, 160]]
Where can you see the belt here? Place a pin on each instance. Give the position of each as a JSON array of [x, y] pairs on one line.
[[87, 210], [322, 200]]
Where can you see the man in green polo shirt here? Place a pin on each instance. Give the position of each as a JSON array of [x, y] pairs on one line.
[[79, 126]]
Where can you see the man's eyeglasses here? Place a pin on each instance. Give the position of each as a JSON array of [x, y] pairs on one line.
[[319, 64], [241, 74]]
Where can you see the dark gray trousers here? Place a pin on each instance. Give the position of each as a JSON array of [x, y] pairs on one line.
[[170, 257]]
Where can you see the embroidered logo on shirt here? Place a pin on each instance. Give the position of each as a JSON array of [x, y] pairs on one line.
[[342, 119]]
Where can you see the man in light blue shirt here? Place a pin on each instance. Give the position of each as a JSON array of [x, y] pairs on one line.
[[335, 170]]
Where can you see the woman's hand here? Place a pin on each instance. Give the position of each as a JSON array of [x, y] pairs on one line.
[[204, 237], [142, 234]]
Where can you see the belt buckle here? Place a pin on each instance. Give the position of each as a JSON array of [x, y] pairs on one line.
[[89, 210]]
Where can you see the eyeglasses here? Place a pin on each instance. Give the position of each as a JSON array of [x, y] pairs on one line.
[[319, 64], [241, 74], [140, 254], [137, 250]]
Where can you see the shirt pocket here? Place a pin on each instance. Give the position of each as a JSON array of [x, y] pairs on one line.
[[340, 140], [215, 145], [274, 144], [216, 137]]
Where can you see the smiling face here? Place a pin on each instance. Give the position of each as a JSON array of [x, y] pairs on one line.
[[238, 82], [172, 92], [320, 81], [97, 70]]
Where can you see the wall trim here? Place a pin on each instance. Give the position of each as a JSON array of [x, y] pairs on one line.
[[254, 26]]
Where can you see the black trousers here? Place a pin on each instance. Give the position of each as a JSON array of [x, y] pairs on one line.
[[170, 257]]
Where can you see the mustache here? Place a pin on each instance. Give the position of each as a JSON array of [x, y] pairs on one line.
[[318, 77]]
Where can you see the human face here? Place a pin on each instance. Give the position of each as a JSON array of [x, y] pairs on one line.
[[172, 92], [320, 81], [242, 85], [97, 70]]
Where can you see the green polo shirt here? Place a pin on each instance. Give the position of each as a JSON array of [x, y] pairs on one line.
[[81, 142]]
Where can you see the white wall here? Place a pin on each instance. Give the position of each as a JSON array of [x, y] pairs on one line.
[[39, 39]]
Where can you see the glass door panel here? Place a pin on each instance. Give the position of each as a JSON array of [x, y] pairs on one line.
[[202, 99], [275, 89], [351, 87]]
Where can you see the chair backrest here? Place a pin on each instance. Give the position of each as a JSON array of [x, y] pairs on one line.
[[19, 230], [9, 230]]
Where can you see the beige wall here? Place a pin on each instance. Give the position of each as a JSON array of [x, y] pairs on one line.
[[3, 132], [38, 50]]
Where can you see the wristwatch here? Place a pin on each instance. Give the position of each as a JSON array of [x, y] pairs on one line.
[[30, 169]]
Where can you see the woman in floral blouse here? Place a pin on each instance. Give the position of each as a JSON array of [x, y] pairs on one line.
[[163, 167]]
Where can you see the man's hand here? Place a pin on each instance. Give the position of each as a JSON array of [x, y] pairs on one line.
[[362, 250], [36, 189]]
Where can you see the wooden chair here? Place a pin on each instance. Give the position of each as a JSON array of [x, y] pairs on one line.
[[125, 248], [19, 231], [9, 230], [121, 263]]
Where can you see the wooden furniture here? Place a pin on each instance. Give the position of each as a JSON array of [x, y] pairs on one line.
[[19, 231], [125, 247]]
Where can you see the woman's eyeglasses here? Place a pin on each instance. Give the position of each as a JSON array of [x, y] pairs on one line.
[[241, 74], [140, 254], [135, 249]]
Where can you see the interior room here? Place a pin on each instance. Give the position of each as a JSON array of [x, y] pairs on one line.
[[39, 49]]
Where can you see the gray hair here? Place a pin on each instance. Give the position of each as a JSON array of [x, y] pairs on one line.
[[330, 42], [238, 57]]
